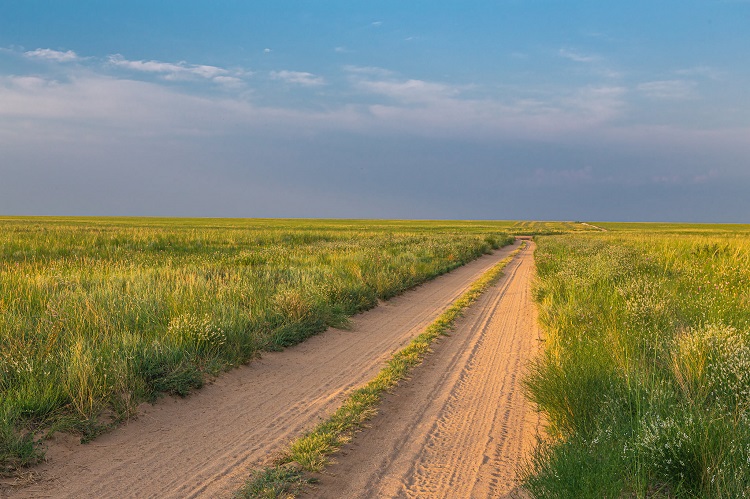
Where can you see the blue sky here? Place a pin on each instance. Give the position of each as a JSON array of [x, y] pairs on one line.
[[397, 109]]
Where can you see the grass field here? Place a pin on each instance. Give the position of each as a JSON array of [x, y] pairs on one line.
[[676, 228], [312, 451], [531, 228], [98, 315], [645, 377]]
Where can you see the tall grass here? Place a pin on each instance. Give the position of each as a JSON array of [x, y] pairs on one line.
[[645, 377], [312, 451], [97, 315]]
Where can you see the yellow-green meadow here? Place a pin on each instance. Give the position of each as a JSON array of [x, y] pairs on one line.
[[100, 314], [645, 375]]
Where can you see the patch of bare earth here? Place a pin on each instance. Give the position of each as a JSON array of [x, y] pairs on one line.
[[460, 426], [204, 446]]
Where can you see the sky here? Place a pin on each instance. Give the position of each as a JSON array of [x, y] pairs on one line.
[[410, 109]]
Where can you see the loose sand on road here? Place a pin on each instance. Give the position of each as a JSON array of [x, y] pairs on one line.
[[204, 446], [461, 425]]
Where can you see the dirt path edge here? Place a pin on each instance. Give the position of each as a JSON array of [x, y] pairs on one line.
[[310, 453]]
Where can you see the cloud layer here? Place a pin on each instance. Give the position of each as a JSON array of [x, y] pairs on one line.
[[52, 55], [298, 78], [115, 135]]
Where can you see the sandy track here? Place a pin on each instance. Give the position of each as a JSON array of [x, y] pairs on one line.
[[460, 426], [203, 446]]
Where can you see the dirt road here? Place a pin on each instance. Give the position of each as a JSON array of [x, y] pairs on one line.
[[203, 446], [459, 427]]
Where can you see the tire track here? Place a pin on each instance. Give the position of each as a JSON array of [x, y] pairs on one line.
[[461, 425]]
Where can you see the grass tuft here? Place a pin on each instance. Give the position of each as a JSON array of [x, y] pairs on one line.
[[283, 481]]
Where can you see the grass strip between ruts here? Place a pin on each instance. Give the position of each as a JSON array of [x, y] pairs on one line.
[[310, 453]]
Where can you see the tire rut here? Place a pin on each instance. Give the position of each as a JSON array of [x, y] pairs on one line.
[[461, 425]]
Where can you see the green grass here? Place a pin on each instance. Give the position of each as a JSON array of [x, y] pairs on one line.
[[98, 315], [677, 228], [645, 377], [532, 228], [312, 451], [276, 482]]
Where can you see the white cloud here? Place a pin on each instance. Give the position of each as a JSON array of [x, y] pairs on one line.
[[298, 78], [96, 104], [26, 83], [429, 107], [145, 66], [597, 65], [169, 70], [386, 103], [382, 82], [597, 104], [668, 89], [267, 51], [52, 55], [577, 56], [89, 111], [208, 72], [409, 90], [85, 101], [229, 81]]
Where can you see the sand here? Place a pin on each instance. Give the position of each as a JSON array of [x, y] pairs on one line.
[[460, 427]]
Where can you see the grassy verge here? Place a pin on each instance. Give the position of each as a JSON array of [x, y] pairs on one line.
[[645, 378], [98, 315], [311, 452]]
